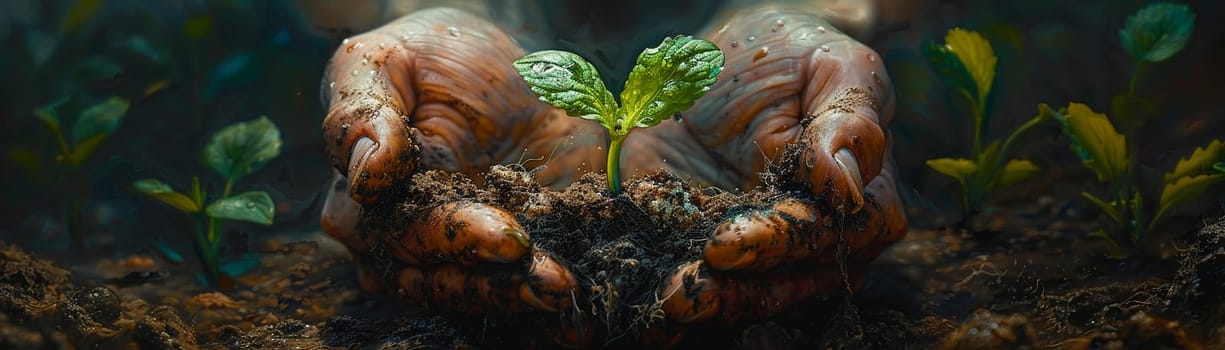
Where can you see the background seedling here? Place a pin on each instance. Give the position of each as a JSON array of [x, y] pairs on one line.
[[966, 62], [1153, 34], [234, 152], [75, 146], [666, 80]]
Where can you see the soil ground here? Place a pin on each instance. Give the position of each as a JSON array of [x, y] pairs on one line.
[[1033, 280]]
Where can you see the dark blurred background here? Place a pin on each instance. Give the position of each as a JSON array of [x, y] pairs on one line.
[[190, 68]]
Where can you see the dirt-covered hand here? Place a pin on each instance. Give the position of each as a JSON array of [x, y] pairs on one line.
[[797, 94], [435, 91]]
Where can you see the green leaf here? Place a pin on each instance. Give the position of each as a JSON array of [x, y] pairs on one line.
[[240, 266], [976, 56], [1015, 171], [50, 117], [1107, 208], [253, 206], [243, 148], [1157, 32], [162, 192], [1183, 190], [96, 68], [668, 79], [958, 168], [952, 71], [237, 70], [167, 252], [1199, 162], [28, 160], [100, 119], [1219, 167], [1095, 140], [570, 83], [84, 149], [79, 14]]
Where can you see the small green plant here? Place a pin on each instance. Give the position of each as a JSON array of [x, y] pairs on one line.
[[90, 129], [1105, 151], [966, 62], [666, 80], [1153, 34], [234, 152]]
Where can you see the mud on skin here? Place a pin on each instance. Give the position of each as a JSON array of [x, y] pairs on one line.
[[451, 226]]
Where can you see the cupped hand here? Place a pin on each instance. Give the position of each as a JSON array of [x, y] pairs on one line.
[[436, 90]]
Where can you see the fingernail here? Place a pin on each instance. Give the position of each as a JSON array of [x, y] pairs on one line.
[[850, 170], [529, 296], [361, 151]]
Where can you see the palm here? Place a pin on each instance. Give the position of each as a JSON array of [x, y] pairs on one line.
[[423, 95]]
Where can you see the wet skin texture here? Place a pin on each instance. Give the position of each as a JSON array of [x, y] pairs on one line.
[[436, 90]]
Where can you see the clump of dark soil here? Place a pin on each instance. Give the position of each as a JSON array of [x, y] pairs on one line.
[[620, 248]]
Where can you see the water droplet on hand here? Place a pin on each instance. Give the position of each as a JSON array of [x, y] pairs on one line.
[[871, 58], [821, 29], [453, 31], [751, 38], [824, 48], [735, 43], [723, 29]]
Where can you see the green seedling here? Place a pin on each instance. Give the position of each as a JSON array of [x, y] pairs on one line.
[[76, 145], [1153, 34], [966, 62], [234, 152], [666, 80], [1105, 151]]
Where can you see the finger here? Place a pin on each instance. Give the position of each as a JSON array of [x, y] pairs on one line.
[[465, 233], [544, 286], [792, 231], [435, 89], [848, 103], [341, 215], [695, 294], [549, 285]]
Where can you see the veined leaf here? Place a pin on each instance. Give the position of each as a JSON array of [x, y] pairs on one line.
[[1015, 171], [570, 83], [668, 79], [102, 118], [1157, 32], [242, 148], [1107, 208], [958, 168], [1183, 190], [1199, 162], [952, 72], [976, 54], [254, 206], [1095, 140], [162, 192]]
